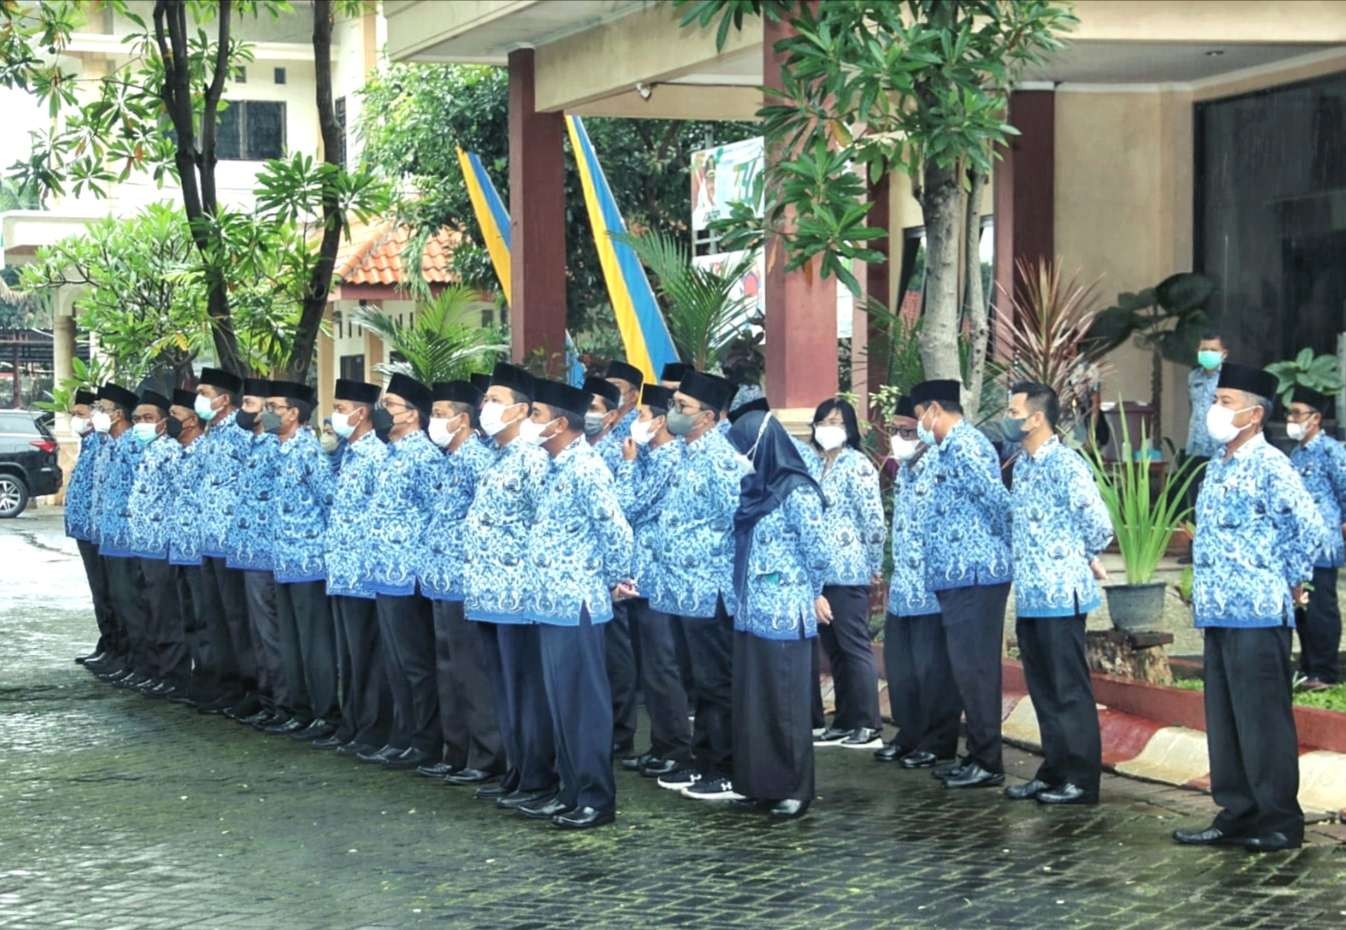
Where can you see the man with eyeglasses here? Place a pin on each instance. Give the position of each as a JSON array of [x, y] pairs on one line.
[[696, 571], [184, 552], [78, 498]]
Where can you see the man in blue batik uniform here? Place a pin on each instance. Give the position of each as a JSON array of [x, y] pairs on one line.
[[967, 559], [1258, 535], [1321, 462], [184, 552], [366, 701], [628, 379], [78, 499], [473, 752], [495, 588], [1059, 527], [696, 568], [579, 550]]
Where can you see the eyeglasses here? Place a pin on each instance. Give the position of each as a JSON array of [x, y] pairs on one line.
[[278, 408], [689, 410], [388, 405]]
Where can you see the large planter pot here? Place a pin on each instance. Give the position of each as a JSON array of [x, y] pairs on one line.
[[1136, 606]]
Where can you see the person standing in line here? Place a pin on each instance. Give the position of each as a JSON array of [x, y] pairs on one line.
[[1059, 525], [628, 379], [921, 693], [780, 569], [1321, 463], [967, 557], [366, 701], [672, 374], [78, 500], [853, 533], [1201, 381], [184, 552], [473, 751], [1258, 535], [578, 556]]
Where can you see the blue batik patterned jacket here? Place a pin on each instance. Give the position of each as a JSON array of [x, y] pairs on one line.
[[853, 524], [252, 535], [79, 489], [787, 567], [696, 530], [441, 572], [304, 485], [609, 449], [1321, 463], [642, 487], [909, 593], [621, 430], [1258, 534], [348, 520], [224, 451], [184, 522], [579, 545], [495, 582], [151, 503], [114, 496], [968, 539], [1059, 526], [101, 464], [1201, 386], [403, 503]]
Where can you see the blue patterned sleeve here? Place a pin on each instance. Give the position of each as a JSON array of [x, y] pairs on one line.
[[615, 537], [1095, 521], [1300, 532], [868, 502], [805, 510], [1336, 474]]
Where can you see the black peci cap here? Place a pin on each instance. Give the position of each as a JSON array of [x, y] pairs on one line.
[[257, 387], [939, 391], [412, 391], [118, 395], [479, 381], [85, 396], [186, 399], [1315, 399], [359, 392], [155, 399], [514, 378], [1246, 378], [293, 390], [626, 372], [224, 380], [675, 371], [711, 391], [904, 407], [655, 395], [562, 397], [601, 387], [458, 392]]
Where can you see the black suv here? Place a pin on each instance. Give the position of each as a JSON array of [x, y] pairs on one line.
[[27, 460]]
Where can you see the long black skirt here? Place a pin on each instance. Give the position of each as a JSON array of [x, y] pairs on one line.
[[773, 728]]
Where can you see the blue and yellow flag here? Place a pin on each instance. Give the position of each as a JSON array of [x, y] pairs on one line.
[[644, 333]]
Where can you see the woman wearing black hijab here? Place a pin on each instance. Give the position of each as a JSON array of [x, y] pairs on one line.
[[780, 564]]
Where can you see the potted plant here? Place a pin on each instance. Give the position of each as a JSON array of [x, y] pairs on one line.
[[1145, 514]]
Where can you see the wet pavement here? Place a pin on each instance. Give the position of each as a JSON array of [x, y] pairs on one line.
[[117, 811]]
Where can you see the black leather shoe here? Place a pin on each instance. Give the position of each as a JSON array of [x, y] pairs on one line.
[[470, 777], [889, 752], [489, 792], [133, 680], [583, 818], [659, 768], [318, 729], [1067, 794], [918, 759], [788, 809], [91, 657], [750, 804], [184, 699], [164, 690], [974, 776], [1207, 836], [377, 756], [359, 750], [409, 759], [634, 763], [951, 770], [436, 769], [111, 671], [285, 727], [1027, 791], [1271, 842], [328, 742], [544, 808], [831, 736], [262, 718], [148, 685], [517, 799]]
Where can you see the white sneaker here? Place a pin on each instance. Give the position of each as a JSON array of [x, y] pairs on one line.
[[712, 789]]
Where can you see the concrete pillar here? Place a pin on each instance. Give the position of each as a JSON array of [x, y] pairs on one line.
[[801, 306], [537, 310]]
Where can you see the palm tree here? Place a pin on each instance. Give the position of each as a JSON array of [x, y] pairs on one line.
[[437, 345]]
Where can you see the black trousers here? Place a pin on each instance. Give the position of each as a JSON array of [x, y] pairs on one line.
[[974, 634], [710, 651], [292, 688], [317, 645], [1319, 627], [264, 630], [126, 587], [846, 642], [661, 682], [525, 691], [166, 634], [1056, 667], [1250, 731], [201, 685], [921, 691], [574, 672], [230, 633], [623, 675], [96, 572], [467, 712], [408, 633], [366, 702], [773, 739]]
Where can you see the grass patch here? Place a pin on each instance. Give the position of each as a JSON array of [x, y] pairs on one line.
[[1333, 698]]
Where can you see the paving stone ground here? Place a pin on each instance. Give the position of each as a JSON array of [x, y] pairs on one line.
[[119, 812]]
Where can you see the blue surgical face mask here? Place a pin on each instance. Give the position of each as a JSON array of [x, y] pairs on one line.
[[925, 434], [145, 433], [1209, 359], [204, 408]]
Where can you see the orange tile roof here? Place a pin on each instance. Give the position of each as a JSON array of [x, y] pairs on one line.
[[373, 255]]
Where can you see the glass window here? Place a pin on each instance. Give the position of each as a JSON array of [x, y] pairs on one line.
[[251, 130]]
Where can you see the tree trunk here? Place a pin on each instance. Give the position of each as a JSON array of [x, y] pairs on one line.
[[975, 299], [941, 204], [320, 282]]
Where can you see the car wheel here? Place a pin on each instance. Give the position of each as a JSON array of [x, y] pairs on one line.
[[13, 496]]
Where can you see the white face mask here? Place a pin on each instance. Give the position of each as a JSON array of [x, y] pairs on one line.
[[493, 417], [830, 437], [439, 431], [903, 449], [530, 432], [80, 426], [642, 431], [102, 422], [342, 425], [205, 408], [1220, 424], [1295, 431]]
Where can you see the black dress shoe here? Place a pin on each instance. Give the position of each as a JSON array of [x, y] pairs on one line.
[[164, 690], [1067, 794], [436, 770], [407, 759], [91, 657], [183, 698], [1027, 791], [544, 808], [889, 752], [470, 777], [488, 792], [974, 776], [133, 680], [329, 742], [259, 719], [633, 762], [376, 756], [357, 749], [318, 729], [659, 768], [918, 759], [1207, 836], [750, 804], [517, 799], [149, 684], [1272, 842], [831, 736], [952, 770], [285, 727], [789, 809], [583, 818]]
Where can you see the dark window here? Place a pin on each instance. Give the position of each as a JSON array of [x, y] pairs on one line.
[[353, 367], [487, 318], [280, 75], [251, 130], [340, 108], [1270, 217], [240, 75]]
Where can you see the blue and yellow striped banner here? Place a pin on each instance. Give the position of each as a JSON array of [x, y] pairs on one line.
[[644, 333]]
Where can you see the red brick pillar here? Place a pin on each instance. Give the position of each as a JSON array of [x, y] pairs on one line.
[[536, 219]]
